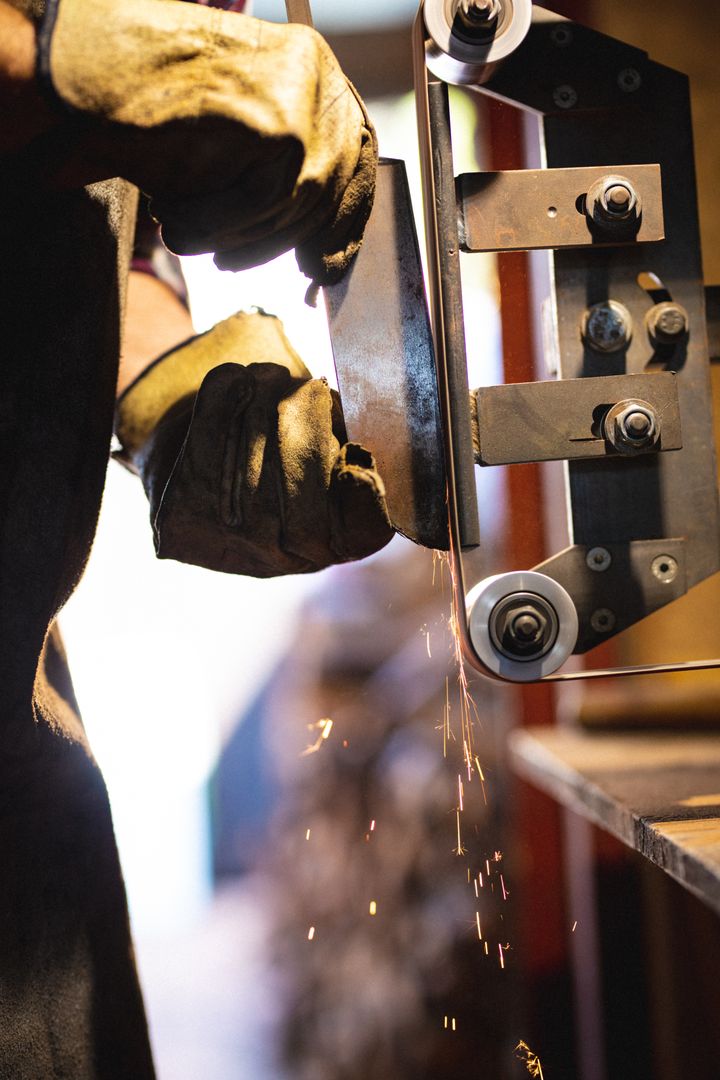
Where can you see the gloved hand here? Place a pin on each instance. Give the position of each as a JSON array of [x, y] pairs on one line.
[[246, 134], [244, 463]]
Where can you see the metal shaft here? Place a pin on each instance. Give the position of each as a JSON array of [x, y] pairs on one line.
[[298, 11]]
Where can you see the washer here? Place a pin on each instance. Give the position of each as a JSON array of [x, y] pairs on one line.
[[484, 598], [462, 63]]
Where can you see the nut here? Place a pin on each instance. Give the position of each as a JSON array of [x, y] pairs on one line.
[[613, 204], [631, 426], [523, 626]]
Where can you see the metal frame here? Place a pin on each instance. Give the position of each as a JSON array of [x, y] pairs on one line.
[[597, 99]]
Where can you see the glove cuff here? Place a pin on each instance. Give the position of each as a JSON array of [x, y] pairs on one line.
[[245, 338]]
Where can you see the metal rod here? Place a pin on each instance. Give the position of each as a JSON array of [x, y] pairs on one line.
[[298, 11]]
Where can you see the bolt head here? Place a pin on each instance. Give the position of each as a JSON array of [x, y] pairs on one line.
[[565, 97], [667, 323], [607, 327], [665, 568], [598, 559]]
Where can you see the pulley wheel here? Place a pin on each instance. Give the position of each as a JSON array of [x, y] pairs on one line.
[[523, 625], [464, 58]]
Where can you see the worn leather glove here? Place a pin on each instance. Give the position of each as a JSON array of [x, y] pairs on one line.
[[245, 464], [246, 134]]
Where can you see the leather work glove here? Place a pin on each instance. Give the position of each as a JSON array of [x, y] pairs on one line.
[[245, 464], [245, 134]]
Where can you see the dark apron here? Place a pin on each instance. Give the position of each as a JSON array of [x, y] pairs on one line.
[[70, 1005]]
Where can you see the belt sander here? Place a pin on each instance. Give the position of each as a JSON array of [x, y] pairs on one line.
[[627, 402]]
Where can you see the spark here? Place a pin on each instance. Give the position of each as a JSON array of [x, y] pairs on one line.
[[574, 927], [478, 766], [480, 879], [486, 949], [459, 850], [372, 825], [324, 727], [460, 791], [487, 867], [505, 892], [427, 643], [477, 919], [307, 835], [311, 933], [476, 887], [502, 957], [532, 1061], [453, 1023], [446, 1023], [373, 907], [497, 857]]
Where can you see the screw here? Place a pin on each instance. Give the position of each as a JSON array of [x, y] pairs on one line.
[[607, 327], [603, 620], [565, 97], [667, 323], [598, 559], [629, 80], [665, 568], [561, 36]]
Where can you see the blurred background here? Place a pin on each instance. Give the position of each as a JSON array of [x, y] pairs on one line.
[[319, 889]]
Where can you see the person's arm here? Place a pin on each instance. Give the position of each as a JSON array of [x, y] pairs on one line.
[[155, 322], [24, 113]]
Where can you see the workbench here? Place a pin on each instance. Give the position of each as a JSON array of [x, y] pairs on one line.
[[659, 793]]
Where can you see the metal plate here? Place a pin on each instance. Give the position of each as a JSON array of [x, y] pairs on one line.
[[385, 363], [557, 421], [543, 208], [626, 591]]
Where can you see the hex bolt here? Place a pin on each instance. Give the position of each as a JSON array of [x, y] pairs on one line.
[[667, 323], [598, 559], [665, 568], [603, 620], [607, 327], [612, 203], [631, 426]]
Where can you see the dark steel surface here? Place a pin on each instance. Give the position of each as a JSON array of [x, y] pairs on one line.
[[385, 363], [554, 421], [628, 588], [544, 208]]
